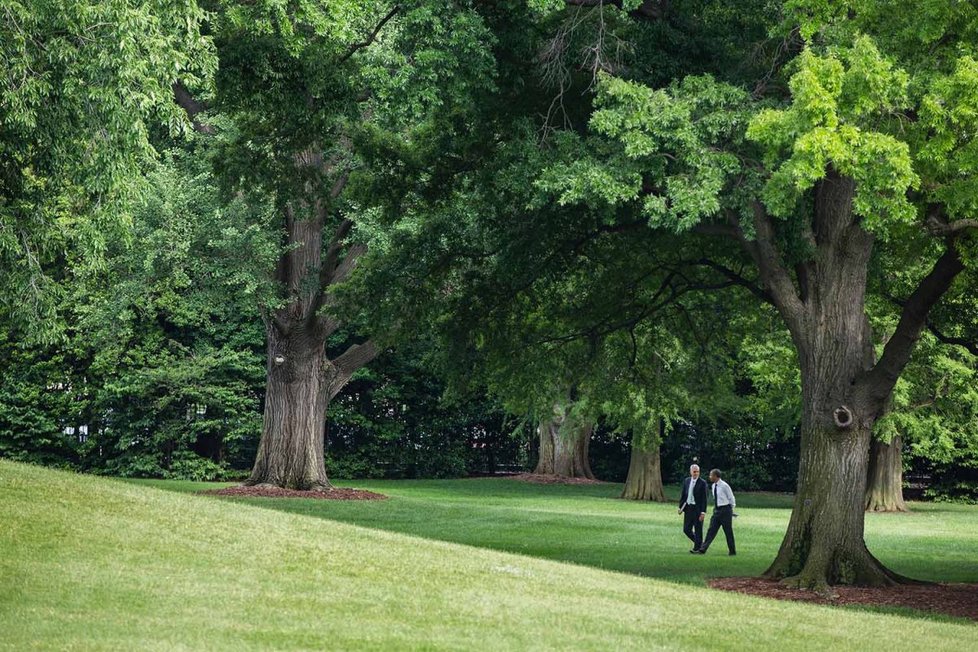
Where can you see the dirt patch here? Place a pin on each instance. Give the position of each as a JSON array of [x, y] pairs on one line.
[[265, 491], [959, 600], [537, 478]]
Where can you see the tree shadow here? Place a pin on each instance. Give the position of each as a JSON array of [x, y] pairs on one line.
[[624, 536], [586, 525]]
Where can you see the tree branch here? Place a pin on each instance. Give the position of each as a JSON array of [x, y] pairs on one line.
[[937, 223], [970, 345], [332, 257], [877, 383], [755, 289], [773, 272], [355, 357], [192, 107], [349, 263], [356, 47], [339, 184]]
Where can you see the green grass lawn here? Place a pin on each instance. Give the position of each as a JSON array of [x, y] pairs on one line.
[[589, 525], [89, 563]]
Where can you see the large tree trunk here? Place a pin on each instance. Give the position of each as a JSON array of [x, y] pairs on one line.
[[644, 481], [824, 542], [301, 379], [820, 293], [884, 488], [291, 452], [564, 447]]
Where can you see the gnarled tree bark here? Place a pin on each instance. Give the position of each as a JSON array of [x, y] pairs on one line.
[[564, 447]]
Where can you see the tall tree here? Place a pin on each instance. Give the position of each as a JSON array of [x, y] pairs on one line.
[[865, 152], [307, 88]]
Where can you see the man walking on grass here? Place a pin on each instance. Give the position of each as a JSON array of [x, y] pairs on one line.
[[692, 505], [724, 504]]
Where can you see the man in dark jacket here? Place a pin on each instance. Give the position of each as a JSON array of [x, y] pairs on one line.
[[692, 505]]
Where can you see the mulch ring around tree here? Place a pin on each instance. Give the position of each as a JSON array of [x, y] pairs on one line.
[[537, 478], [267, 491], [960, 600]]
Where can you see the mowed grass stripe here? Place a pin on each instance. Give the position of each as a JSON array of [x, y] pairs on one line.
[[89, 564]]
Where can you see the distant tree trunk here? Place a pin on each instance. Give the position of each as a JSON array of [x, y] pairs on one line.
[[884, 486], [644, 480], [564, 447]]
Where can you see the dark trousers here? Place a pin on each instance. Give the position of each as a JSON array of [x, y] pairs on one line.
[[722, 518], [692, 525]]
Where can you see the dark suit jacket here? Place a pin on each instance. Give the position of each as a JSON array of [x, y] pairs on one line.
[[699, 493]]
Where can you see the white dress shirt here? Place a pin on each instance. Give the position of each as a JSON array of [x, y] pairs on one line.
[[723, 494], [691, 496]]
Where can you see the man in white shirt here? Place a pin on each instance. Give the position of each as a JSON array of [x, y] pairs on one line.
[[724, 504]]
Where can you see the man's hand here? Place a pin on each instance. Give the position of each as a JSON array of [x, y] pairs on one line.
[[680, 511], [702, 516]]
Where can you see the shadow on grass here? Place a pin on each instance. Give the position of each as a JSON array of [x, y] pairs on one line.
[[581, 524]]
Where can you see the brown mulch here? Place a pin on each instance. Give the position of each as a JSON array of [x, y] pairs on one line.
[[265, 491], [537, 478], [960, 600]]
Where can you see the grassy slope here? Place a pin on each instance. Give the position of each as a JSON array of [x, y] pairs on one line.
[[89, 563], [588, 525]]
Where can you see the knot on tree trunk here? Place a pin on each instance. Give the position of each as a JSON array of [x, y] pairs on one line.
[[843, 417]]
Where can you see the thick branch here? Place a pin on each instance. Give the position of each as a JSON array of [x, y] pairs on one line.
[[356, 47], [332, 257], [937, 223], [344, 269], [192, 107], [879, 381], [772, 269], [333, 272], [356, 357], [339, 185]]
